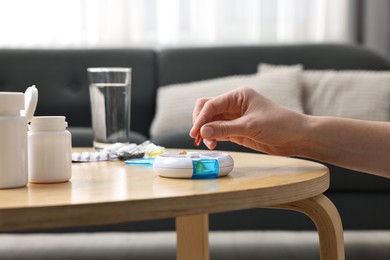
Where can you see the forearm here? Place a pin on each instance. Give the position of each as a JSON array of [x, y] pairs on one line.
[[354, 144]]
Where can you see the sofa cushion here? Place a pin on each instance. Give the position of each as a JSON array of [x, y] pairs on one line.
[[179, 65], [358, 94], [352, 94], [175, 102]]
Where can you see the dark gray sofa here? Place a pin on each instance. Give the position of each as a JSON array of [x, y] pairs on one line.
[[61, 78]]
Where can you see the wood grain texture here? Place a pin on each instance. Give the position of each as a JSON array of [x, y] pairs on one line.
[[328, 223], [192, 237], [112, 192]]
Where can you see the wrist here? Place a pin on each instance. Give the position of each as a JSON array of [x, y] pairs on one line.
[[309, 139]]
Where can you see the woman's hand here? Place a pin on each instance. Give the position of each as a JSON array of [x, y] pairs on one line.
[[245, 117]]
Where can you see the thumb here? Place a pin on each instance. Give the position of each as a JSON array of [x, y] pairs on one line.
[[221, 129]]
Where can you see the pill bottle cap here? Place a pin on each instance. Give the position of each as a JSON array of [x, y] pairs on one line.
[[30, 102], [48, 123], [11, 101]]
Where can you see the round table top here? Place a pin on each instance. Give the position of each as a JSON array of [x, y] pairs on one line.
[[112, 192]]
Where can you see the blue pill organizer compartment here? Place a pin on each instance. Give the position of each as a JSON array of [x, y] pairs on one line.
[[194, 165], [205, 168]]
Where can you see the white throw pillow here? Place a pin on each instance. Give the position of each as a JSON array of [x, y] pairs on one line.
[[175, 103], [359, 94], [352, 94], [266, 67]]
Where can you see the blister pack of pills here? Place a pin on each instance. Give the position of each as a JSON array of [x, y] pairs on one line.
[[119, 151]]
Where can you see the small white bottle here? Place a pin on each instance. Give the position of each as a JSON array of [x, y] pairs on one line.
[[49, 150], [13, 141]]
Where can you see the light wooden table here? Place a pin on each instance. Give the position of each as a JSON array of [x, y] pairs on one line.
[[112, 192]]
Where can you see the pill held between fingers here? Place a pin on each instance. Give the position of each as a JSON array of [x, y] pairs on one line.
[[198, 139]]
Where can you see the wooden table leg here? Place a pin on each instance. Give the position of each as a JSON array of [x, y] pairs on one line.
[[192, 234], [327, 220]]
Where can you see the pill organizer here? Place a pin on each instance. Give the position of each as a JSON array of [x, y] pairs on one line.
[[193, 165]]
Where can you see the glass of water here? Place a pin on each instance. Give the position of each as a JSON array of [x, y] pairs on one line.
[[110, 94]]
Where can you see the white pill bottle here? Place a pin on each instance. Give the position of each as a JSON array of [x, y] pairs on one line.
[[49, 149], [13, 136]]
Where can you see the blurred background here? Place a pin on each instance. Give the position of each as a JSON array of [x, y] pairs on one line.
[[166, 23]]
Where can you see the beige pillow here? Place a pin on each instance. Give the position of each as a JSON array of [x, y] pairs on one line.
[[175, 103], [359, 94], [266, 67], [352, 94]]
